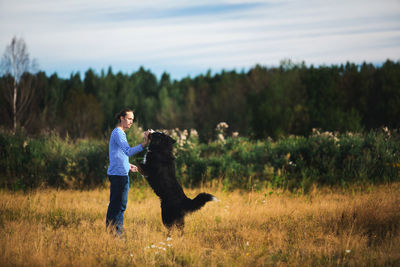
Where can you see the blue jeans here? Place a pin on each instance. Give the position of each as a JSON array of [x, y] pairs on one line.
[[118, 199]]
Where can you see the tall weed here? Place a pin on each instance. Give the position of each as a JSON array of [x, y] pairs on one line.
[[267, 228]]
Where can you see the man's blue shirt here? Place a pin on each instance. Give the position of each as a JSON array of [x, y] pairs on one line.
[[119, 152]]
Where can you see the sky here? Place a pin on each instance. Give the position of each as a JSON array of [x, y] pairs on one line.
[[189, 38]]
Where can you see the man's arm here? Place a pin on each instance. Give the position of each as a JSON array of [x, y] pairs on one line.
[[123, 144]]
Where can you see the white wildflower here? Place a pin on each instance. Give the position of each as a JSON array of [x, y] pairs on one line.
[[222, 126], [194, 133], [221, 138]]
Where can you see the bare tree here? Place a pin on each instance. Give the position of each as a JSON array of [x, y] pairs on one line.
[[17, 65]]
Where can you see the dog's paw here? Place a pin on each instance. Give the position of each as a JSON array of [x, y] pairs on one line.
[[215, 199], [141, 168]]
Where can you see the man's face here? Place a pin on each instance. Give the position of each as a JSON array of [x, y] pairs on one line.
[[126, 122]]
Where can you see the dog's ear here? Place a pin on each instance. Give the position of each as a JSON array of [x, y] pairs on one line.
[[171, 140]]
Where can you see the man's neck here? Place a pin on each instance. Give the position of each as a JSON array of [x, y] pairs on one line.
[[122, 128]]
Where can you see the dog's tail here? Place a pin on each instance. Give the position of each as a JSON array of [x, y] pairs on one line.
[[198, 202]]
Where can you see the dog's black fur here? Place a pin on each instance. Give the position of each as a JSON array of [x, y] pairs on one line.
[[158, 168]]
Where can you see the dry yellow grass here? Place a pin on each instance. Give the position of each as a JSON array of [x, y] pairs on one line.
[[324, 228]]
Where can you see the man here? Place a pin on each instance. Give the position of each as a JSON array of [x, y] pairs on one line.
[[119, 152]]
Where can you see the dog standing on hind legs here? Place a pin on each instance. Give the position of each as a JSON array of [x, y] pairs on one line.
[[158, 168]]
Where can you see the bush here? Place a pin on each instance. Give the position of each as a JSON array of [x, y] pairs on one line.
[[50, 161], [294, 163]]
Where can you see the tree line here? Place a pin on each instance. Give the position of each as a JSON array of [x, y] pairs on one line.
[[261, 102]]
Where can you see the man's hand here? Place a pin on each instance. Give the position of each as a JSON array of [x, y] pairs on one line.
[[133, 168], [146, 138]]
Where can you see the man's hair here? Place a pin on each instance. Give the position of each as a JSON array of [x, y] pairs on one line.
[[122, 113]]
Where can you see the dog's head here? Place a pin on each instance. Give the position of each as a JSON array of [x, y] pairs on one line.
[[159, 140]]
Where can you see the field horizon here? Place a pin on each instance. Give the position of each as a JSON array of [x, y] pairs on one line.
[[326, 227]]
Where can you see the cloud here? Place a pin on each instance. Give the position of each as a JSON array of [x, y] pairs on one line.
[[189, 37]]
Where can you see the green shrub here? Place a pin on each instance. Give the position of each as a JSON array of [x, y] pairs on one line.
[[50, 161], [294, 163]]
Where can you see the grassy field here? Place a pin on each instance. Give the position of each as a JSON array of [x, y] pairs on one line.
[[324, 228]]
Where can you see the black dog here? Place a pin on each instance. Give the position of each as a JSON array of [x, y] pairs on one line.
[[158, 168]]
